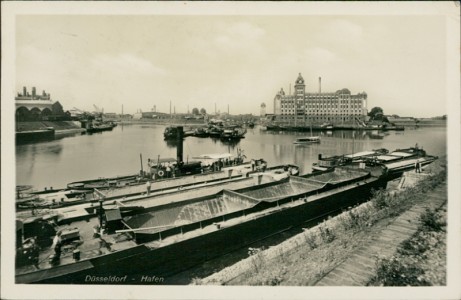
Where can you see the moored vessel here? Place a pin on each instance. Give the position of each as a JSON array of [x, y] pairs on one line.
[[395, 162], [235, 133], [154, 240], [307, 140], [327, 163]]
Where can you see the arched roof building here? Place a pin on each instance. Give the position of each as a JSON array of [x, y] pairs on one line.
[[32, 107]]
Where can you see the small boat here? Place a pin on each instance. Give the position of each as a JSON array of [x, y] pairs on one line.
[[307, 140], [233, 134], [100, 127], [327, 126]]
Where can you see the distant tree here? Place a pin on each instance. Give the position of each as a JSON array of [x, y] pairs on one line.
[[195, 111], [374, 111], [203, 111]]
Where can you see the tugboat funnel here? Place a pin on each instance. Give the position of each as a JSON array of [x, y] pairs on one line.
[[179, 150]]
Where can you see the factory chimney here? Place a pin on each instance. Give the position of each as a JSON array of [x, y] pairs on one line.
[[33, 92], [320, 85], [24, 91]]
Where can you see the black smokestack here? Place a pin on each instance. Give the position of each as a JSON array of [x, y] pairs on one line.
[[179, 151]]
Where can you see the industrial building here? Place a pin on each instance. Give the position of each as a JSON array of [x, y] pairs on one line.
[[301, 107], [38, 107]]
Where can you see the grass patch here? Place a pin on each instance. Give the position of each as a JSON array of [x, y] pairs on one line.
[[420, 260], [318, 250]]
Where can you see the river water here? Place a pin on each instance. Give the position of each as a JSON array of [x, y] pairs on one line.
[[77, 157]]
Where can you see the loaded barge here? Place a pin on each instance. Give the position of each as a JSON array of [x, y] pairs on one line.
[[395, 162], [167, 239]]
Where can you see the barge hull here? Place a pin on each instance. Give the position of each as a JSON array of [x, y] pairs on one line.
[[178, 256]]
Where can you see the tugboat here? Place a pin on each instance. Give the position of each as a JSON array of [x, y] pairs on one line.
[[159, 169]]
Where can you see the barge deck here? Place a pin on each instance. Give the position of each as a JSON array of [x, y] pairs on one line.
[[207, 227]]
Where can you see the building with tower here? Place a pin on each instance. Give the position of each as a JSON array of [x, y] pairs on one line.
[[263, 109], [301, 107]]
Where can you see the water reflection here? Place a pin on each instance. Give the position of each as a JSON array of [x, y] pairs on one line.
[[171, 143], [230, 143], [77, 157], [342, 134]]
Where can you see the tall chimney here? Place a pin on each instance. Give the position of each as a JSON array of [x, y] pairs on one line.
[[24, 91], [320, 85], [179, 151], [33, 92]]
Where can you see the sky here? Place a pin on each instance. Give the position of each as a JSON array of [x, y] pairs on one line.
[[240, 61]]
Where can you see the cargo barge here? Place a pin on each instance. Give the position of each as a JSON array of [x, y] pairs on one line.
[[164, 240], [395, 162]]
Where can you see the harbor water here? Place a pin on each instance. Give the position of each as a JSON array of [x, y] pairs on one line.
[[118, 152]]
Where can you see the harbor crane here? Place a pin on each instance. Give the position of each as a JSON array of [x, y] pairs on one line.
[[98, 110]]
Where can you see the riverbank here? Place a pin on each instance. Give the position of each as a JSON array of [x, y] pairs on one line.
[[59, 126], [305, 259], [432, 123]]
